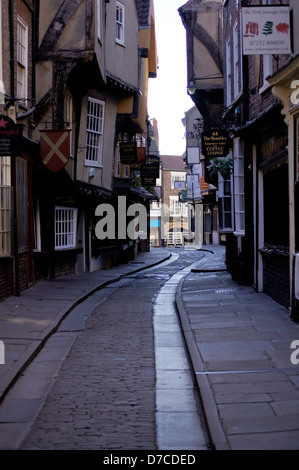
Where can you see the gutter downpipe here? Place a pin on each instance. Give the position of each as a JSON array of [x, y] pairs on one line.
[[13, 158]]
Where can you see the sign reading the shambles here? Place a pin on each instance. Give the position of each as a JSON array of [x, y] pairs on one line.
[[10, 138], [266, 30], [128, 153], [215, 144]]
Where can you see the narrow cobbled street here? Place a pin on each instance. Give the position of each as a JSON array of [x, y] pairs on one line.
[[104, 394]]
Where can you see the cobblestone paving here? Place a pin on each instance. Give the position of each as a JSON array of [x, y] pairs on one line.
[[104, 396]]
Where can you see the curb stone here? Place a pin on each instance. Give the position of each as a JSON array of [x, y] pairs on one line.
[[215, 429]]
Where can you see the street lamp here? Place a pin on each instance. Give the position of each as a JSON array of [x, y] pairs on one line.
[[192, 82], [2, 92]]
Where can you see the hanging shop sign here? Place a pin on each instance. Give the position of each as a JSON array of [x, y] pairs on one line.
[[215, 144], [10, 137], [266, 30], [141, 155], [128, 153], [55, 148], [183, 196], [158, 191], [192, 179], [154, 162], [148, 175], [149, 172]]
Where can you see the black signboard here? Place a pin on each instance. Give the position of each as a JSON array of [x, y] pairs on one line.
[[154, 162], [150, 171], [148, 175], [215, 144], [10, 137], [128, 153]]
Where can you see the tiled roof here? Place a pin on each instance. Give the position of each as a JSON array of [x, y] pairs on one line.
[[143, 10], [173, 162]]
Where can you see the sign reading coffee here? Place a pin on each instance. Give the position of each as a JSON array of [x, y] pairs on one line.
[[10, 137], [215, 144]]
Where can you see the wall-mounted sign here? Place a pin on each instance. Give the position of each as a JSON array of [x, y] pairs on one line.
[[193, 155], [55, 149], [266, 30], [10, 137], [128, 153], [273, 146], [180, 185], [215, 144]]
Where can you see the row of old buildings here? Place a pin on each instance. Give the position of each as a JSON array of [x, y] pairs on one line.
[[74, 84], [243, 72]]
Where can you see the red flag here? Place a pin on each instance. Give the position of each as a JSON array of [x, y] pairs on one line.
[[55, 149]]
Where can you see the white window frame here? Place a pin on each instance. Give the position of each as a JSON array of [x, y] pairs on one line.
[[228, 72], [99, 19], [37, 227], [239, 192], [1, 49], [267, 61], [5, 207], [120, 15], [69, 119], [236, 59], [94, 132], [117, 166], [267, 67], [22, 60], [66, 219], [223, 197], [177, 176], [176, 208], [22, 202]]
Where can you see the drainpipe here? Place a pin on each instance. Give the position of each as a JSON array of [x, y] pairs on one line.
[[12, 53], [13, 158], [35, 28]]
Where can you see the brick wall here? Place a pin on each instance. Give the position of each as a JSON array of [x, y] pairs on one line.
[[65, 263], [5, 278], [259, 101]]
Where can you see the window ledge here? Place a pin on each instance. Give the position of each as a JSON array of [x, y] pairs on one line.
[[226, 230], [93, 164], [266, 86], [239, 233]]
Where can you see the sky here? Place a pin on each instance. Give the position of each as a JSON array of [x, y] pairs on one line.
[[168, 100]]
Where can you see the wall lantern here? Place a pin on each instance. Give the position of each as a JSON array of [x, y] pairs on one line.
[[2, 92], [192, 82]]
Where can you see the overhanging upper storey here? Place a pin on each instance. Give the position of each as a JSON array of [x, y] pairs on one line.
[[203, 22], [147, 34]]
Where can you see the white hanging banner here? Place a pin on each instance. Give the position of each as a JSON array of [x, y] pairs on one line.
[[266, 30]]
